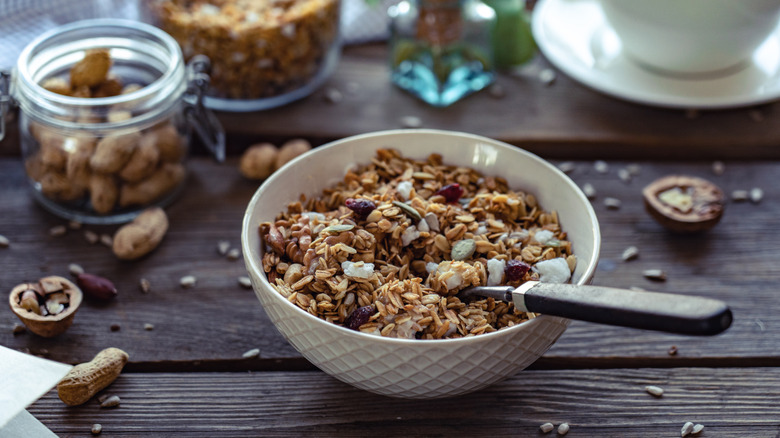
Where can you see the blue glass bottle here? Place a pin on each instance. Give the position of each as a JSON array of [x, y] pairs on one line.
[[440, 50]]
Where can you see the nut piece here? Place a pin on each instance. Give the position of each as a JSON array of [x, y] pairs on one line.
[[684, 204], [142, 235], [91, 70], [290, 150], [59, 294], [96, 287], [259, 161], [87, 379]]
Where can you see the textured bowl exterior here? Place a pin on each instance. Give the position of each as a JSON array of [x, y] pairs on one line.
[[413, 368]]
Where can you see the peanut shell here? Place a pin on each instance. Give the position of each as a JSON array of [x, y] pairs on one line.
[[142, 235], [85, 380], [91, 70]]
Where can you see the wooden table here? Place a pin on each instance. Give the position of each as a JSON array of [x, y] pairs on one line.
[[187, 376]]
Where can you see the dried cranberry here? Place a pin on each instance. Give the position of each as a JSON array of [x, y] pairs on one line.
[[361, 207], [358, 317], [451, 192], [516, 269]]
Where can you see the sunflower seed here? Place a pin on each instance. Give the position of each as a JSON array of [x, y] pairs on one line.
[[97, 428], [333, 96], [686, 429], [697, 429], [601, 166], [546, 427], [223, 247], [563, 429], [107, 240], [145, 285], [547, 76], [251, 353], [654, 274], [110, 402], [187, 281], [58, 231], [718, 168], [245, 282], [634, 169], [91, 237], [630, 253], [4, 242], [234, 254], [612, 203], [75, 269], [655, 391], [567, 166], [148, 327], [756, 195], [672, 350], [739, 195], [624, 175], [410, 122], [589, 190]]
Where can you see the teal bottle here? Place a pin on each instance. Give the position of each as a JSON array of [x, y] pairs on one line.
[[441, 50]]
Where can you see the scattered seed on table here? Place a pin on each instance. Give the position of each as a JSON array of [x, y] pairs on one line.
[[410, 122], [672, 350], [756, 195], [145, 285], [75, 269], [563, 429], [57, 230], [97, 428], [113, 401], [718, 168], [634, 169], [188, 281], [4, 242], [612, 203], [234, 254], [624, 175], [496, 91], [589, 190], [547, 76], [223, 247], [251, 353], [333, 96], [148, 327], [115, 327], [697, 428], [245, 282], [739, 195], [91, 237], [654, 274], [74, 225], [686, 429], [655, 391], [756, 115], [19, 329], [601, 166], [546, 427], [567, 166], [630, 253], [107, 240]]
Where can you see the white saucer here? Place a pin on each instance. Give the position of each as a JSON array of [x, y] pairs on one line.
[[574, 37]]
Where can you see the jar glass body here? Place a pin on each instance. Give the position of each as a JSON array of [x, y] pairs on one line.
[[263, 54], [103, 159], [440, 50]]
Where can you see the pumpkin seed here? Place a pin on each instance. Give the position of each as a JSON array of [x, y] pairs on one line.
[[408, 209], [338, 228], [463, 249]]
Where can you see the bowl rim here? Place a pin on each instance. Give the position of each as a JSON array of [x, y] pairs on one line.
[[253, 265]]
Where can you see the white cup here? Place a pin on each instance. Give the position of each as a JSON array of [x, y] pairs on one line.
[[691, 36]]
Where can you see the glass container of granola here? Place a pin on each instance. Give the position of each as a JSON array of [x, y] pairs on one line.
[[106, 113], [265, 53]]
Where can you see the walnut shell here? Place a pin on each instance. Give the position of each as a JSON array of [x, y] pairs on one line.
[[684, 204], [51, 325]]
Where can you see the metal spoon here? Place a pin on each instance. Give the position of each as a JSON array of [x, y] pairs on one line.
[[682, 314]]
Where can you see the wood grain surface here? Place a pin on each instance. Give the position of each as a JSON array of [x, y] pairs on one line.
[[211, 325], [595, 403]]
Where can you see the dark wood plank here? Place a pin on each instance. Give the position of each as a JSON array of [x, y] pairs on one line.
[[609, 403], [563, 120], [210, 326]]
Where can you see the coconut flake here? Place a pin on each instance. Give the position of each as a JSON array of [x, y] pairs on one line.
[[553, 271], [543, 236], [404, 189], [433, 221], [312, 215], [422, 226], [454, 282], [495, 269], [357, 270], [409, 235], [431, 267]]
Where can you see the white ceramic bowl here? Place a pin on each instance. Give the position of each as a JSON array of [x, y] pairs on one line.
[[406, 367]]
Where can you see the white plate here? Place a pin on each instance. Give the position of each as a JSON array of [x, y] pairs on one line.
[[574, 37]]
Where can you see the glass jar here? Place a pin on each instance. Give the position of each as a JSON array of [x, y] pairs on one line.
[[265, 54], [440, 50], [106, 111]]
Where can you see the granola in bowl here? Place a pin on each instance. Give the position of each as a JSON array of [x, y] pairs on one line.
[[386, 250]]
